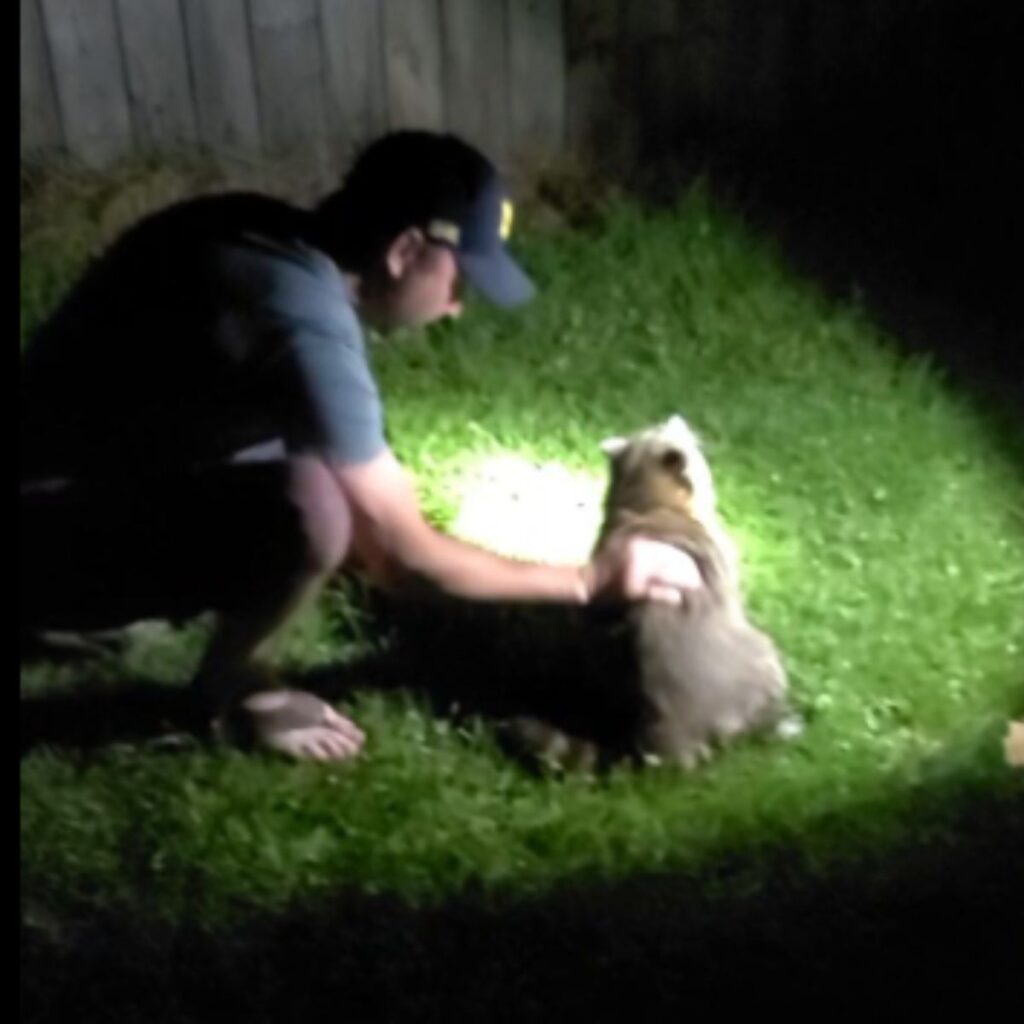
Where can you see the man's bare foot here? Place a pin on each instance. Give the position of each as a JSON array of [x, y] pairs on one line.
[[300, 725]]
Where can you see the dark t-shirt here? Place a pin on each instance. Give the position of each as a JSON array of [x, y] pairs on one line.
[[209, 327]]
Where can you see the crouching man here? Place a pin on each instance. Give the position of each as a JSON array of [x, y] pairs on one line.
[[201, 429]]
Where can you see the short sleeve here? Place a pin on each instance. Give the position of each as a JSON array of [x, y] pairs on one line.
[[289, 323]]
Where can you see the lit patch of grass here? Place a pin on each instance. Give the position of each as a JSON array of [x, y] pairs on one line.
[[883, 546], [524, 509]]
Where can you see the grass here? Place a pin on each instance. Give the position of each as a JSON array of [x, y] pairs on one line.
[[882, 530]]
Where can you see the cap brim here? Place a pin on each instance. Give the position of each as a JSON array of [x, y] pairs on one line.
[[497, 277]]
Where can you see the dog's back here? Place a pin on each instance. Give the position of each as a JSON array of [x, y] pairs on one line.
[[706, 677], [704, 673]]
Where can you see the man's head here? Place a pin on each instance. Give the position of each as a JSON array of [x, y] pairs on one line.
[[417, 213]]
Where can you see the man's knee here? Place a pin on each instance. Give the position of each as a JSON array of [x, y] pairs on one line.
[[325, 514]]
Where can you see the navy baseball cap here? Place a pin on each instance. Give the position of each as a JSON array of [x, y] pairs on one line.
[[446, 188], [477, 230]]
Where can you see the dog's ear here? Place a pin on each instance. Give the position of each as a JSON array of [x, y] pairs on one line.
[[612, 446], [677, 431]]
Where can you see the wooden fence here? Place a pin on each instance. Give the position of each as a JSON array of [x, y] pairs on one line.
[[311, 79], [620, 80]]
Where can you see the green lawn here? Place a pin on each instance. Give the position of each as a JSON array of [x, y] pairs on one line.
[[881, 523]]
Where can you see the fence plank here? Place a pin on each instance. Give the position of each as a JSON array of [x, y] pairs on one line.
[[289, 81], [40, 118], [653, 19], [227, 114], [413, 64], [536, 79], [693, 70], [89, 76], [598, 120], [591, 24], [475, 73], [356, 96], [159, 90]]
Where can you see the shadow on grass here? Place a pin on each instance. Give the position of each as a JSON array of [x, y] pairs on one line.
[[469, 659], [460, 658], [95, 715], [930, 924]]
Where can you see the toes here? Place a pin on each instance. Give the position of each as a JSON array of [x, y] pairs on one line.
[[314, 744], [342, 725], [327, 745], [311, 750], [338, 747]]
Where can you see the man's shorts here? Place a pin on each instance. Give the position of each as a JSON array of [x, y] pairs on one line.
[[99, 554]]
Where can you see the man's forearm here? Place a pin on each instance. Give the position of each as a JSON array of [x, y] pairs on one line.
[[463, 570], [399, 549]]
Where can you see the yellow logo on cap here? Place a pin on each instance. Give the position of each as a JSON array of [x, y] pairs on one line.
[[444, 231], [506, 219]]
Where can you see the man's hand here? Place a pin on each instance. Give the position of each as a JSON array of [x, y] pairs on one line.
[[642, 570]]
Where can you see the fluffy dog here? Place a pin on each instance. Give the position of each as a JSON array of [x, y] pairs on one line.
[[701, 674]]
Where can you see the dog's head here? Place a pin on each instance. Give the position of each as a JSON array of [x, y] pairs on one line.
[[661, 466]]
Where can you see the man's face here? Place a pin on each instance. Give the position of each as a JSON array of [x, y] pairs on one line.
[[418, 284]]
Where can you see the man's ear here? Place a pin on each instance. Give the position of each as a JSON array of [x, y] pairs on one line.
[[404, 251]]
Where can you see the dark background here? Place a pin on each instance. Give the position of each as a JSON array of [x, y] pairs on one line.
[[881, 141]]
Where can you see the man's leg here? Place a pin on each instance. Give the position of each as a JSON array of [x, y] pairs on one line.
[[253, 542], [230, 683]]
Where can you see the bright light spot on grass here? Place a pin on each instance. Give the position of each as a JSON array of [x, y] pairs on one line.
[[543, 512]]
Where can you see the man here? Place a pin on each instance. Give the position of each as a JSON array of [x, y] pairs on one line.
[[221, 325]]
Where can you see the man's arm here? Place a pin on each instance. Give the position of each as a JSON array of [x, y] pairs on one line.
[[316, 354], [401, 549]]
